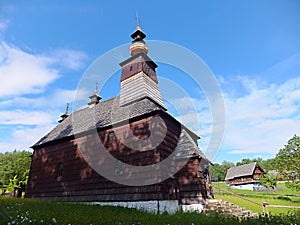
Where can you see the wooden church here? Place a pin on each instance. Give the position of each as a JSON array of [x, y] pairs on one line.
[[89, 155]]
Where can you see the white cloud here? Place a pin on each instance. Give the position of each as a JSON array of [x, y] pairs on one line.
[[3, 26], [195, 115], [68, 58], [25, 118], [31, 118], [259, 122], [53, 101], [25, 137], [263, 120], [23, 73]]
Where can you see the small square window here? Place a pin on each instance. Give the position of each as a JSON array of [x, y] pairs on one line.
[[118, 172], [118, 169], [111, 136]]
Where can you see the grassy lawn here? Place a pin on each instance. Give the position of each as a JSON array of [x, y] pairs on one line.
[[284, 197], [258, 209], [25, 211], [284, 190]]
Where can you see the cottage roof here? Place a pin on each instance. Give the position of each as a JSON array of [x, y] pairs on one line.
[[241, 171]]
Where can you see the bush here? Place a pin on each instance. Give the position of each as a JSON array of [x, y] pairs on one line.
[[284, 198]]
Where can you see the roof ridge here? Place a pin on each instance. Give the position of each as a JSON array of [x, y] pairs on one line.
[[99, 104], [247, 164], [240, 170], [97, 117]]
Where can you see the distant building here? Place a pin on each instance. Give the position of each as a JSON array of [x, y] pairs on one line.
[[273, 173], [59, 171], [245, 176]]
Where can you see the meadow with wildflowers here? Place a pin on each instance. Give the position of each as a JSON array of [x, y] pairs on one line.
[[27, 211]]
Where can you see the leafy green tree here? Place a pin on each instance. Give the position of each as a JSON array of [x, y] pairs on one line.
[[288, 161], [218, 171], [244, 161], [227, 165], [258, 160], [14, 168], [268, 180], [268, 164]]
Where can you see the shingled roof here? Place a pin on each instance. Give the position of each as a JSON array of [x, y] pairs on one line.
[[241, 171], [103, 114], [187, 148], [109, 112]]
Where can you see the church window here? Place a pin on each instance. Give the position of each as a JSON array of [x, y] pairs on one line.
[[111, 136], [60, 168]]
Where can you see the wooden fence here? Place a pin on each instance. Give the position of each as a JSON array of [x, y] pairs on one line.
[[264, 205]]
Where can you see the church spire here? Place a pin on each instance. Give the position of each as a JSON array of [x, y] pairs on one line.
[[65, 115], [138, 22], [138, 44], [138, 78], [95, 98]]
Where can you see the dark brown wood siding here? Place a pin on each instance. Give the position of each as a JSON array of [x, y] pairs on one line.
[[137, 65], [60, 172], [191, 183]]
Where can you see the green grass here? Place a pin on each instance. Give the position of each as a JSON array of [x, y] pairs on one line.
[[284, 191], [25, 211], [258, 209], [284, 197]]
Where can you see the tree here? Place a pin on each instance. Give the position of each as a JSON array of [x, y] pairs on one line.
[[268, 164], [218, 171], [227, 165], [288, 161], [244, 161], [14, 168], [268, 180]]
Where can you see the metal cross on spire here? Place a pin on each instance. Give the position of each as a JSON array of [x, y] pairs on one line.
[[138, 22], [97, 88], [67, 109]]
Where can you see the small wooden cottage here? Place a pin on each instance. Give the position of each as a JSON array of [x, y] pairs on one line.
[[93, 154], [245, 176]]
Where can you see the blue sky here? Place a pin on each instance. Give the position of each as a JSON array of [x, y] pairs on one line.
[[252, 48]]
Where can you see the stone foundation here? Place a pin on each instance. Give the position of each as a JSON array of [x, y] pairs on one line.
[[168, 206]]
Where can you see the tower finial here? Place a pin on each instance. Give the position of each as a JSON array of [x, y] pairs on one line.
[[67, 109], [138, 44], [65, 115], [95, 98], [96, 89], [138, 22]]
